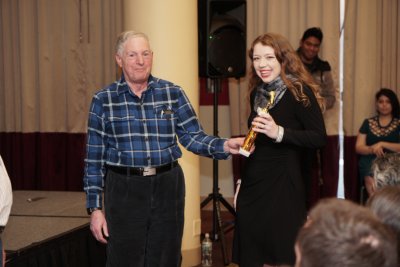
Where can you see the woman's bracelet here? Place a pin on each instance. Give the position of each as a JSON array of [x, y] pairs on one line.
[[279, 136]]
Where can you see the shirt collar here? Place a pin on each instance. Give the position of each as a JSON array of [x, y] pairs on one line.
[[122, 86]]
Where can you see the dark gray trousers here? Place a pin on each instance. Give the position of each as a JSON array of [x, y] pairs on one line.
[[145, 217]]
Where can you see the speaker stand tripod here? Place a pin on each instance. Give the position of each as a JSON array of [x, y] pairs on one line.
[[216, 197]]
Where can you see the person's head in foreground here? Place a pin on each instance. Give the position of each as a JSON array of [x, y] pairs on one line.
[[385, 204], [342, 233]]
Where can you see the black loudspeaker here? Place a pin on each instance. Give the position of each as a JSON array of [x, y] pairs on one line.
[[222, 38]]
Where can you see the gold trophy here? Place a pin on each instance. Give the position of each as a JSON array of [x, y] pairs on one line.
[[251, 135]]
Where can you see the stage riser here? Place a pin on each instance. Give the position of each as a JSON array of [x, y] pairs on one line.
[[50, 228]]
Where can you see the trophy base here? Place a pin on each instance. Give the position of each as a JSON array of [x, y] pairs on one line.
[[244, 152]]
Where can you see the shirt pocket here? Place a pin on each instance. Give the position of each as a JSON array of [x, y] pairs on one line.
[[123, 129], [164, 112], [166, 121]]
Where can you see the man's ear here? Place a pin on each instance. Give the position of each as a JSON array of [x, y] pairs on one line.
[[118, 59]]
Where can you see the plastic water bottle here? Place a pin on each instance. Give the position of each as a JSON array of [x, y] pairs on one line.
[[206, 251]]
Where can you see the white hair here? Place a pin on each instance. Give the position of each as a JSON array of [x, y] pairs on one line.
[[125, 36]]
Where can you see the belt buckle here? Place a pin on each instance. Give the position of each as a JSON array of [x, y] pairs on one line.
[[148, 171]]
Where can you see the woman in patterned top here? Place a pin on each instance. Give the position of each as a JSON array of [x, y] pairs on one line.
[[378, 135]]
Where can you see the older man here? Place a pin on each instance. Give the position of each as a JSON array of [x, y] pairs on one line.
[[132, 153]]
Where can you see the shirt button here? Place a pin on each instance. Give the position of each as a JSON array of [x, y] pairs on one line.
[[146, 139]]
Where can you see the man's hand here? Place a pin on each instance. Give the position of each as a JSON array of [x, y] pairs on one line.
[[233, 145], [98, 226]]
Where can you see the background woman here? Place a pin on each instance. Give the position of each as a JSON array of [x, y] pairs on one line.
[[378, 135], [271, 201]]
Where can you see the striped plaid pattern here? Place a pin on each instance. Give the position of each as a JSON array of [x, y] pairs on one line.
[[124, 130]]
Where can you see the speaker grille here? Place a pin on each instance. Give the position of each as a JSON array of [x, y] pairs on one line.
[[226, 48], [222, 38]]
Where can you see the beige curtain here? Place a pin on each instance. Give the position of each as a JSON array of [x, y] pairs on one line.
[[54, 55], [290, 18], [371, 61], [371, 57]]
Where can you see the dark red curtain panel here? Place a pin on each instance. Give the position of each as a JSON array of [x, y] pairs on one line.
[[207, 97], [351, 180], [330, 171], [330, 167], [44, 161], [325, 174], [54, 161]]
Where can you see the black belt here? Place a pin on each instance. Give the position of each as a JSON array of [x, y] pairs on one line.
[[142, 171]]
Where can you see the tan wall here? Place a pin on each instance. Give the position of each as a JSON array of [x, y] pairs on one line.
[[173, 37]]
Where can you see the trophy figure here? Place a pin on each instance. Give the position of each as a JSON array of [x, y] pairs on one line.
[[251, 135]]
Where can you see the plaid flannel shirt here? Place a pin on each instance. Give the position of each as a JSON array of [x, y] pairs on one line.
[[124, 130]]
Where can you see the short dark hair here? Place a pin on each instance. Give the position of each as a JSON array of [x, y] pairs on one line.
[[394, 101], [315, 32]]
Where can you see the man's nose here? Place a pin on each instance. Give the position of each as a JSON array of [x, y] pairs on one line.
[[140, 59]]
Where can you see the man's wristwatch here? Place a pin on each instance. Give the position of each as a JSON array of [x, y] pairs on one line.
[[90, 210]]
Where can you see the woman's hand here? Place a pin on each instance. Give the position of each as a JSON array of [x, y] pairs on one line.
[[265, 124], [378, 149]]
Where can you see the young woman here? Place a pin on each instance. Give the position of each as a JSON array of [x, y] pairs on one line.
[[271, 201], [378, 135]]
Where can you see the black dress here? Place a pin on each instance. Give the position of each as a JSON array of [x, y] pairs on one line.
[[271, 201]]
